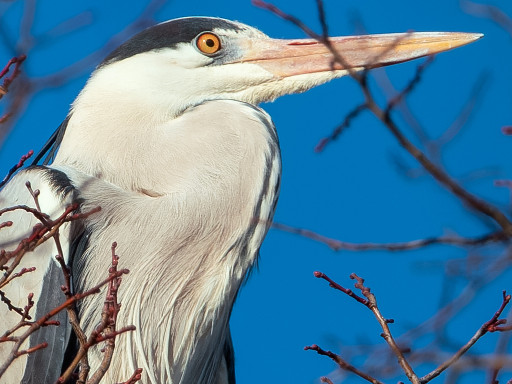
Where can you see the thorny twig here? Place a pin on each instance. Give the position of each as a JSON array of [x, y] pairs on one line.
[[341, 128], [22, 312], [46, 229]]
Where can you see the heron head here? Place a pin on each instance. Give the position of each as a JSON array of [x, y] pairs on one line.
[[136, 95], [185, 62]]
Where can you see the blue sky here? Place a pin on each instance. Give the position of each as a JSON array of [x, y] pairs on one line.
[[353, 191]]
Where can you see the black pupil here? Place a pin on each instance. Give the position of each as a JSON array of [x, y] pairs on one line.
[[210, 43]]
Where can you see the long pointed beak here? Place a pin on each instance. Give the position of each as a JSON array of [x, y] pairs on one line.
[[285, 58]]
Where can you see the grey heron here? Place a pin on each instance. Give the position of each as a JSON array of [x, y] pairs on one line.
[[168, 139]]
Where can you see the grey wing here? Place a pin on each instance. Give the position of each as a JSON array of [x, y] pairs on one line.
[[226, 371], [229, 356], [56, 194]]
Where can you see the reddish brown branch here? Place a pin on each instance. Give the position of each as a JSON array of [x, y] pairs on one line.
[[9, 304], [137, 375], [40, 233], [16, 61], [6, 224], [507, 130], [292, 19], [24, 313], [43, 321], [395, 101], [34, 194], [335, 285], [105, 332], [342, 364], [33, 349], [371, 303], [16, 167], [17, 99], [338, 245], [489, 326]]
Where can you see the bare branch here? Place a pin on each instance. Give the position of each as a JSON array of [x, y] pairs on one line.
[[16, 167], [44, 319], [135, 377], [488, 11], [338, 245], [384, 115], [16, 61], [342, 364], [490, 326], [341, 128]]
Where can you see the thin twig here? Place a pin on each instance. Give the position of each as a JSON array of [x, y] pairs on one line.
[[137, 375], [16, 61], [43, 320], [489, 326], [371, 303], [342, 364], [16, 167], [341, 128], [338, 245], [109, 314]]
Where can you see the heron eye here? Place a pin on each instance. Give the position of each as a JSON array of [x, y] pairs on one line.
[[208, 43]]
